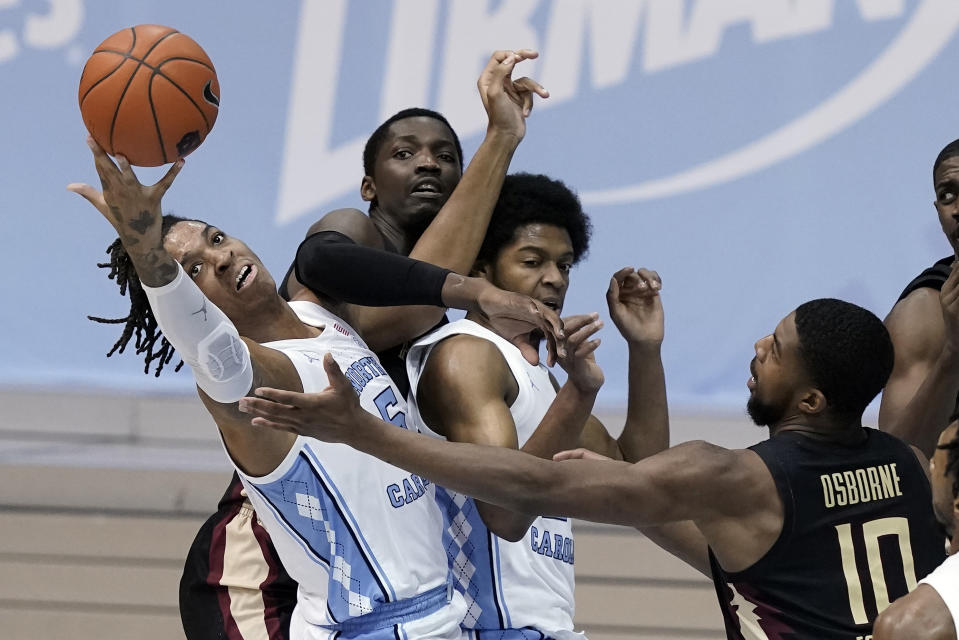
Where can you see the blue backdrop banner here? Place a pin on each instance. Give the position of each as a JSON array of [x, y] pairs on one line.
[[758, 153]]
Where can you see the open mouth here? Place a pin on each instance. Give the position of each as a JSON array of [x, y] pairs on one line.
[[427, 188], [751, 383], [552, 304], [243, 276]]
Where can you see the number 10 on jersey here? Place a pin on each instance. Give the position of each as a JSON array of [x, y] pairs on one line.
[[871, 532]]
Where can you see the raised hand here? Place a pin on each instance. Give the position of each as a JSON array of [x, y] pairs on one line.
[[132, 208], [949, 301], [635, 305], [508, 102], [514, 316], [330, 415], [579, 363]]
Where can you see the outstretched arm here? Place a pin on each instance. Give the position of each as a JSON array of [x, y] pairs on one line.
[[454, 237], [693, 481], [682, 539], [920, 397], [373, 277], [193, 324]]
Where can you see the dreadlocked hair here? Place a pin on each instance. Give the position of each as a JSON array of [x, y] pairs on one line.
[[139, 322]]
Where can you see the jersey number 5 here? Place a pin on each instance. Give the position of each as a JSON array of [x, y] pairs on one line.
[[385, 402], [871, 532]]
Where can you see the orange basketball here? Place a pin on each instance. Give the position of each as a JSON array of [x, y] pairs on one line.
[[149, 93]]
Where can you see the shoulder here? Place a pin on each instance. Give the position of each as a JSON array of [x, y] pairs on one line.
[[352, 223], [915, 324], [931, 278], [465, 357], [739, 467], [466, 389], [744, 474]]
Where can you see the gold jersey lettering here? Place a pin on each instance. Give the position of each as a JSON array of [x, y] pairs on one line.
[[865, 484]]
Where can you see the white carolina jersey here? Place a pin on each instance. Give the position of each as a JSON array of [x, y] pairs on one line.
[[945, 580], [359, 535], [526, 584]]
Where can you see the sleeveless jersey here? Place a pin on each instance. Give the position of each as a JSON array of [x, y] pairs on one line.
[[932, 278], [511, 587], [360, 536], [945, 580], [858, 532]]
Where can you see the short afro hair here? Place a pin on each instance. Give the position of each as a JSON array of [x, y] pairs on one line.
[[375, 141], [951, 150], [847, 352], [528, 198]]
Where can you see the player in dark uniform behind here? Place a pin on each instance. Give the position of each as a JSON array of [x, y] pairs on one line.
[[931, 611], [922, 392], [809, 534]]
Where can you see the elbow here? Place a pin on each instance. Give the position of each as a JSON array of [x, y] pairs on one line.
[[513, 535], [509, 531], [504, 522]]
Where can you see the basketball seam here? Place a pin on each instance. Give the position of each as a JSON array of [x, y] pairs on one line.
[[199, 62], [157, 72], [165, 60], [153, 112], [105, 76], [125, 54], [116, 112]]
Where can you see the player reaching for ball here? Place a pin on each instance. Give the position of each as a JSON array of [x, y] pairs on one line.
[[421, 204], [808, 534], [367, 567]]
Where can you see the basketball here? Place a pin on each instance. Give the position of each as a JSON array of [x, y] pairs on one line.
[[149, 93]]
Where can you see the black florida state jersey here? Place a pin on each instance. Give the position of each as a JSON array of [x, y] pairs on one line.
[[858, 532]]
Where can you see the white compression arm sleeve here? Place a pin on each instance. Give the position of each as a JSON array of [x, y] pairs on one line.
[[204, 336]]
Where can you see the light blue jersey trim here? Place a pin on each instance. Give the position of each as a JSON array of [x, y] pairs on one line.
[[312, 553], [501, 604], [398, 612], [357, 532]]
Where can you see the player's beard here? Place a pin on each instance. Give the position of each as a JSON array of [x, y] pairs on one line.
[[763, 414]]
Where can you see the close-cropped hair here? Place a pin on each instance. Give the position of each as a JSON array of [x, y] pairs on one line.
[[951, 150], [952, 462], [139, 324], [528, 198], [376, 140], [846, 351]]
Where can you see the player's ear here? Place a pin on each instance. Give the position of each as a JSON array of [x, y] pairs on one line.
[[812, 401], [368, 189], [480, 270]]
